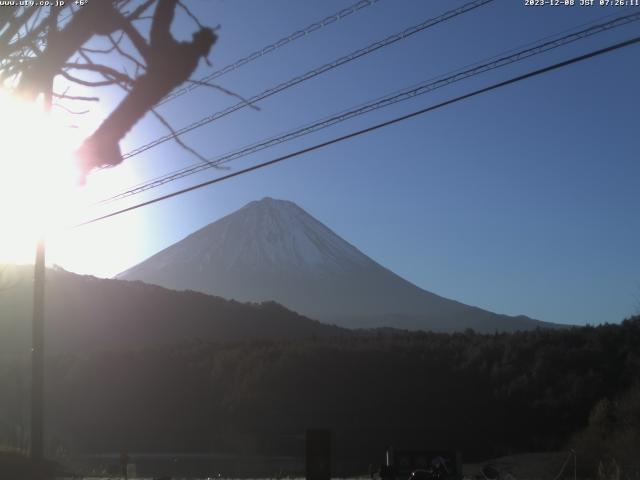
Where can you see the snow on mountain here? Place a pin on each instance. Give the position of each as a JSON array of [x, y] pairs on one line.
[[271, 233], [274, 250]]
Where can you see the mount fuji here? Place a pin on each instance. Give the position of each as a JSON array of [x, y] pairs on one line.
[[274, 250]]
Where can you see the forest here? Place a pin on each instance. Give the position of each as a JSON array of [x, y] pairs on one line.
[[484, 395]]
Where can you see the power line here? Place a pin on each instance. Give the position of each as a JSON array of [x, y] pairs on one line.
[[314, 27], [378, 126], [379, 103], [402, 95], [187, 170], [303, 32], [311, 74]]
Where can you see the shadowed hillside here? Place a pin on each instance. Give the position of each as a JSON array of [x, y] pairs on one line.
[[86, 313]]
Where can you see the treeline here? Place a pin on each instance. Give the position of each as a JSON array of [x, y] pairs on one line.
[[84, 314], [486, 395]]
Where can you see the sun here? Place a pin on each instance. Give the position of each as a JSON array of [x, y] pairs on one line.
[[40, 193], [38, 181]]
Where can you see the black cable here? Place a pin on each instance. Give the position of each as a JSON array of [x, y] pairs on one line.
[[303, 32], [318, 146], [311, 74], [396, 97]]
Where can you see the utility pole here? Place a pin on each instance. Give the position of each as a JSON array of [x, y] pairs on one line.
[[37, 339], [37, 356]]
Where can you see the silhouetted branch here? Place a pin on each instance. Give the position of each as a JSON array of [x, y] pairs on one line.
[[225, 91], [36, 46], [95, 18], [177, 138], [107, 72], [14, 24], [169, 64], [191, 15], [68, 110], [136, 14], [87, 83], [116, 46], [64, 96]]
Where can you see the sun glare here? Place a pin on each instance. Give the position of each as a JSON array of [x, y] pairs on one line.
[[39, 192], [37, 176]]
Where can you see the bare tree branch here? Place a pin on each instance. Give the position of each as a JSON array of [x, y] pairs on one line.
[[116, 46], [136, 14], [107, 72], [95, 18], [36, 46], [191, 15], [169, 63], [225, 91], [87, 83], [64, 96], [68, 110], [14, 24], [99, 51], [136, 38], [177, 138]]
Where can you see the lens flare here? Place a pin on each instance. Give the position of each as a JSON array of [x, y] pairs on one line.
[[37, 176]]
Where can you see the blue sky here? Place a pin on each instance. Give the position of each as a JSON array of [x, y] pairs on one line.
[[521, 201]]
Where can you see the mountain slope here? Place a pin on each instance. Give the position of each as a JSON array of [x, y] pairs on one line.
[[274, 250], [85, 313]]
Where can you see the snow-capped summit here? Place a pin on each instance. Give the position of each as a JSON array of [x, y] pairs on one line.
[[282, 235], [274, 250]]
